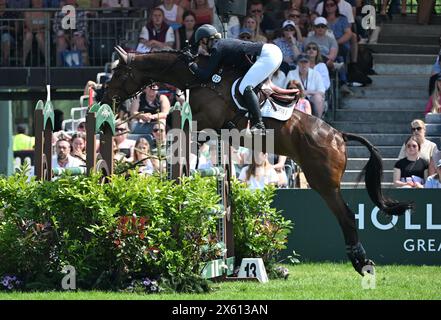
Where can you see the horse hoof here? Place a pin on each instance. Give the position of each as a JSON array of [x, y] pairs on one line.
[[368, 268]]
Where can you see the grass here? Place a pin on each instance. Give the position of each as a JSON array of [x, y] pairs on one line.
[[306, 281]]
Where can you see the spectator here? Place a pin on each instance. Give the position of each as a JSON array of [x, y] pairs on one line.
[[436, 157], [142, 155], [245, 34], [79, 146], [7, 29], [386, 3], [411, 171], [173, 13], [344, 8], [259, 173], [290, 43], [340, 27], [253, 25], [147, 107], [316, 63], [63, 158], [327, 44], [311, 4], [68, 41], [185, 33], [124, 144], [295, 4], [311, 82], [159, 146], [433, 181], [185, 4], [202, 11], [302, 104], [157, 34], [436, 69], [267, 25], [434, 103], [279, 166], [21, 140], [115, 4], [427, 149], [34, 27], [295, 15]]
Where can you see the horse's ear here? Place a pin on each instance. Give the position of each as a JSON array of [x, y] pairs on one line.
[[123, 57]]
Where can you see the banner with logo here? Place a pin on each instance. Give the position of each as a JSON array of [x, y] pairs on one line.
[[414, 238]]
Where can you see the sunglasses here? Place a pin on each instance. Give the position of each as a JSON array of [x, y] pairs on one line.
[[412, 146], [330, 5], [321, 26], [256, 11], [120, 129], [289, 29], [245, 37], [417, 129], [157, 130], [311, 48], [294, 16]]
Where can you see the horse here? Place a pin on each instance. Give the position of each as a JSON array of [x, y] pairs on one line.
[[318, 148]]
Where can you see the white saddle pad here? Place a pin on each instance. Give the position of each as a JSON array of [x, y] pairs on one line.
[[280, 113]]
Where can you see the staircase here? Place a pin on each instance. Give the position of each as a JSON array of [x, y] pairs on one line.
[[382, 112]]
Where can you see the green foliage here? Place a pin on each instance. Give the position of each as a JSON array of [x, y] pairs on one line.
[[122, 234], [259, 229]]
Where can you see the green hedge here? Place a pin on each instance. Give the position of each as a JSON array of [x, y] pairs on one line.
[[134, 233]]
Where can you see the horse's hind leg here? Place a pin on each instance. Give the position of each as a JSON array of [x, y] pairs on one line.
[[346, 219]]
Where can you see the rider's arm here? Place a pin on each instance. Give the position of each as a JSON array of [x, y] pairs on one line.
[[205, 74]]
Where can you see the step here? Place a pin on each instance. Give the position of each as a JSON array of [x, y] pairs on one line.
[[394, 58], [352, 175], [384, 139], [412, 30], [367, 115], [409, 39], [401, 69], [398, 81], [385, 92], [383, 104], [371, 127], [363, 152], [410, 19], [359, 163], [361, 185], [404, 48]]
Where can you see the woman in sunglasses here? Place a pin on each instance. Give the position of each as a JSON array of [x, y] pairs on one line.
[[290, 43], [411, 171], [316, 63], [418, 129], [253, 25]]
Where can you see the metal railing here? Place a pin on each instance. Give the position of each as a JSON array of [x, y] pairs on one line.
[[37, 42]]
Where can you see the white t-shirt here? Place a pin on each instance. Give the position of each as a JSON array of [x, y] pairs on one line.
[[313, 83], [71, 162], [170, 15], [169, 38], [270, 177], [324, 72], [344, 7]]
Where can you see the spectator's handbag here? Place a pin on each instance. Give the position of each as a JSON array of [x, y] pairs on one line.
[[72, 58], [424, 11]]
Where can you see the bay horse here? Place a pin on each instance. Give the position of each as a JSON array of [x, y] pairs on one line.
[[318, 148]]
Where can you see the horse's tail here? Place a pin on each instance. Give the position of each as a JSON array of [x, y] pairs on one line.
[[373, 173]]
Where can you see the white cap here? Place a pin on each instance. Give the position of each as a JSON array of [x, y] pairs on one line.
[[288, 23], [320, 20]]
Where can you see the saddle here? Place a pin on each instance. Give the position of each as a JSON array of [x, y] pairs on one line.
[[268, 91]]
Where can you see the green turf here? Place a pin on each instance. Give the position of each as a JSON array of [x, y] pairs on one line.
[[306, 281]]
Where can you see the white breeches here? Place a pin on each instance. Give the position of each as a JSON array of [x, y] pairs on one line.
[[266, 64]]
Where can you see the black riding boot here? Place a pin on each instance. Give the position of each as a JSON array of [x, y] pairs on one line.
[[252, 103]]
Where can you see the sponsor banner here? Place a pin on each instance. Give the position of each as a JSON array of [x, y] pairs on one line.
[[414, 238]]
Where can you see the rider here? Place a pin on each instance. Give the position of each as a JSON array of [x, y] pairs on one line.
[[234, 52]]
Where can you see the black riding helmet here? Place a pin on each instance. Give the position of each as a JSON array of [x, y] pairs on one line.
[[206, 31]]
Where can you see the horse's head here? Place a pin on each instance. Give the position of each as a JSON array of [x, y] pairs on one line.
[[126, 81]]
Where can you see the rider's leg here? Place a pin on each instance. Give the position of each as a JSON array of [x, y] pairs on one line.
[[268, 62], [253, 106]]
